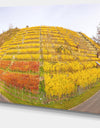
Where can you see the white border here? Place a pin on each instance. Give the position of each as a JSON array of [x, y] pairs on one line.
[[18, 116]]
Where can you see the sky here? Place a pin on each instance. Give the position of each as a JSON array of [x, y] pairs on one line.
[[77, 17]]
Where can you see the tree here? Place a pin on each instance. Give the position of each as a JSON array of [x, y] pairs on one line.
[[27, 26], [10, 26], [97, 38]]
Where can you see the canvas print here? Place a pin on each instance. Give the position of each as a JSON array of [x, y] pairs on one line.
[[50, 56]]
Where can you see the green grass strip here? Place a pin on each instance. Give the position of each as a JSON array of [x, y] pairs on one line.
[[62, 104]]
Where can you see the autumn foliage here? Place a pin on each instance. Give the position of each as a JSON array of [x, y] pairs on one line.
[[26, 81], [4, 64], [25, 66]]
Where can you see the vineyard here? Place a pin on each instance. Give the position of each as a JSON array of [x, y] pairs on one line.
[[44, 64]]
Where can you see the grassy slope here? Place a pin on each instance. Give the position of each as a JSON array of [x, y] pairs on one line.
[[5, 36], [63, 104]]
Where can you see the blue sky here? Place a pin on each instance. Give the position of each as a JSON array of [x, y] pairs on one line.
[[77, 17]]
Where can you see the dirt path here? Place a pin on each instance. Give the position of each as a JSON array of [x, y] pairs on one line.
[[92, 105], [4, 99]]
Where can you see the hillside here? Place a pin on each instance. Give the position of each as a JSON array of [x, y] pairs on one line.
[[5, 36], [47, 63]]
